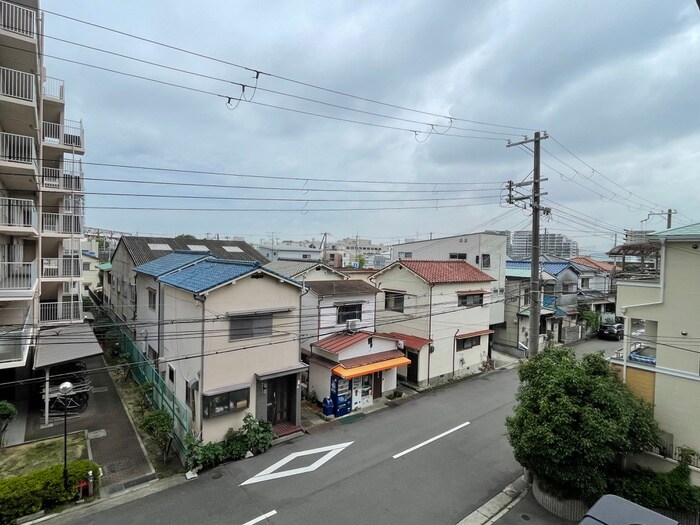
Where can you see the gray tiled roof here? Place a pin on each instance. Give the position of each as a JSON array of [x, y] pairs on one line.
[[292, 268], [352, 287], [141, 253]]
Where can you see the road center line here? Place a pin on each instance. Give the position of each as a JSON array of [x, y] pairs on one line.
[[409, 450], [260, 518]]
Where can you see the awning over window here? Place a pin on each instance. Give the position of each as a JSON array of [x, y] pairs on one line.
[[65, 344], [349, 373], [473, 334], [272, 374], [474, 292], [224, 389]]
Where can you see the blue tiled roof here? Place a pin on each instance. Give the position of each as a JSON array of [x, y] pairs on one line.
[[208, 274], [549, 267], [170, 262]]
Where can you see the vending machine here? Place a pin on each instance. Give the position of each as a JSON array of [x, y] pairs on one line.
[[341, 396]]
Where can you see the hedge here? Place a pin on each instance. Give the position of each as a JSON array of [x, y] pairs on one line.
[[23, 495]]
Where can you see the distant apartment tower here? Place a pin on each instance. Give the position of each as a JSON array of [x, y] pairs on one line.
[[41, 207], [520, 245], [638, 236]]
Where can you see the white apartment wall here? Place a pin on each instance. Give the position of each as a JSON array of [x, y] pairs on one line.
[[473, 244], [147, 319], [230, 362], [122, 276]]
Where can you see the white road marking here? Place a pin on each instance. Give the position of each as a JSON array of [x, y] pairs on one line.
[[270, 472], [409, 450], [260, 518]]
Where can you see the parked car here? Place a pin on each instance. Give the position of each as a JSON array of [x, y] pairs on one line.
[[615, 331]]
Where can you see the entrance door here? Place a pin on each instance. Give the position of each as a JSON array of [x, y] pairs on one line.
[[377, 386], [279, 400], [412, 369]]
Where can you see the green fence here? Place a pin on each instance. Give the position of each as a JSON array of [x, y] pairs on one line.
[[161, 396]]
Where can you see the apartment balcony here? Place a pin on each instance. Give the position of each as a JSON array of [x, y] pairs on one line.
[[62, 223], [67, 136], [18, 217], [67, 177], [54, 89], [17, 85], [17, 153], [61, 268], [61, 312], [17, 279], [639, 353], [14, 343], [18, 25]]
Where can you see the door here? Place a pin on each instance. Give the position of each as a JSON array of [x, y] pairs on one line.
[[377, 386], [278, 400], [412, 369]]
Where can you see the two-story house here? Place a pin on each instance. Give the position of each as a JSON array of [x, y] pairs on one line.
[[305, 270], [660, 360], [444, 303], [230, 344]]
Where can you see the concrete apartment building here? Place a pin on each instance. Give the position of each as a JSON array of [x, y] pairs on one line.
[[41, 180], [520, 245], [660, 360]]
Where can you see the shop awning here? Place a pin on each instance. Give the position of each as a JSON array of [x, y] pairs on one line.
[[65, 344], [473, 334], [272, 374], [349, 373]]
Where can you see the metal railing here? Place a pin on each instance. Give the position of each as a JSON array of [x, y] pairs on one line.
[[14, 344], [16, 84], [18, 19], [17, 275], [17, 148], [19, 213], [61, 311], [53, 88], [67, 177], [70, 133], [61, 267], [65, 223]]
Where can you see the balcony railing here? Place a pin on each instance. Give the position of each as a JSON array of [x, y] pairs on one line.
[[70, 133], [54, 88], [17, 275], [18, 213], [67, 177], [63, 311], [61, 267], [17, 148], [16, 84], [18, 19], [14, 344], [64, 223]]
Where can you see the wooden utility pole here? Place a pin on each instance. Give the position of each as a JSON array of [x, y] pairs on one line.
[[534, 330]]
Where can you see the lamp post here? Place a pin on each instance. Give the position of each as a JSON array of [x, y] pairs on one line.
[[65, 389]]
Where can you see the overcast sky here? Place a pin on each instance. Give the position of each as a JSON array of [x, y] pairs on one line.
[[616, 83]]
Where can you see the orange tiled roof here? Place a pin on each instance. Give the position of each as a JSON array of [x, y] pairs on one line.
[[411, 341], [587, 261], [338, 342], [453, 271]]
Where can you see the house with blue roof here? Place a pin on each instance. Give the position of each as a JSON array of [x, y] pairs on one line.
[[226, 339]]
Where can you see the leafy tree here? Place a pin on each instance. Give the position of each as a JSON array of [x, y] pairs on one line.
[[7, 413], [574, 422], [186, 237], [158, 425], [592, 319], [361, 260]]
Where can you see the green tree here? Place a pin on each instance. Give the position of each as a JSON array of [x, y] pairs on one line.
[[592, 319], [7, 413], [186, 237], [575, 421], [361, 260], [158, 425]]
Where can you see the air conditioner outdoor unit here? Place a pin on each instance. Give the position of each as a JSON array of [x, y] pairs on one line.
[[352, 325]]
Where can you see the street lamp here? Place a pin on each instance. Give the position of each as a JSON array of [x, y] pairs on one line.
[[65, 389]]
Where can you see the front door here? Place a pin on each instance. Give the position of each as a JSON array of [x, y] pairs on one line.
[[279, 399], [377, 386], [412, 369]]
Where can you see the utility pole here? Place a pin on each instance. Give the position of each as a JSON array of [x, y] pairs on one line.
[[534, 330]]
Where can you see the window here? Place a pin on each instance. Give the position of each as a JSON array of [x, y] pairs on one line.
[[349, 311], [226, 403], [468, 342], [461, 256], [305, 256], [526, 296], [151, 299], [191, 396], [247, 327], [486, 260], [394, 301], [171, 374], [405, 255], [86, 266], [476, 299], [153, 354], [586, 282]]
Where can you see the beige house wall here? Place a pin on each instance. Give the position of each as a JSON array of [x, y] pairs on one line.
[[677, 403]]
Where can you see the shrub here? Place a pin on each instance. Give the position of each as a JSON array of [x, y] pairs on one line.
[[201, 455], [158, 424], [258, 433], [23, 495]]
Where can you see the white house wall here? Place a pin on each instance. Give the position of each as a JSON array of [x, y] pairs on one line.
[[146, 327], [231, 363]]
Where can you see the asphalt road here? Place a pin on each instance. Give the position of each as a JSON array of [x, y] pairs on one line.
[[443, 469]]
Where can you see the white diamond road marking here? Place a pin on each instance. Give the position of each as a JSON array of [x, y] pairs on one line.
[[270, 472], [409, 450], [260, 518]]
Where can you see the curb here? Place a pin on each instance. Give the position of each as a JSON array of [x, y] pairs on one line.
[[497, 506]]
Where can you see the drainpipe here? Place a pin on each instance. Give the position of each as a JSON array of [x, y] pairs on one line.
[[454, 352], [430, 329], [623, 311], [301, 316], [201, 299]]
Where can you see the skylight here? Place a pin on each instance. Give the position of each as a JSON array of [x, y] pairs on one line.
[[233, 249], [197, 247], [159, 247]]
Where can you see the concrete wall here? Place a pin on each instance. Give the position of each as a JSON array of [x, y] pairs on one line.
[[122, 277]]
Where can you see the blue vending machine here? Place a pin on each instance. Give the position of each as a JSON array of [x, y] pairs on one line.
[[341, 396]]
